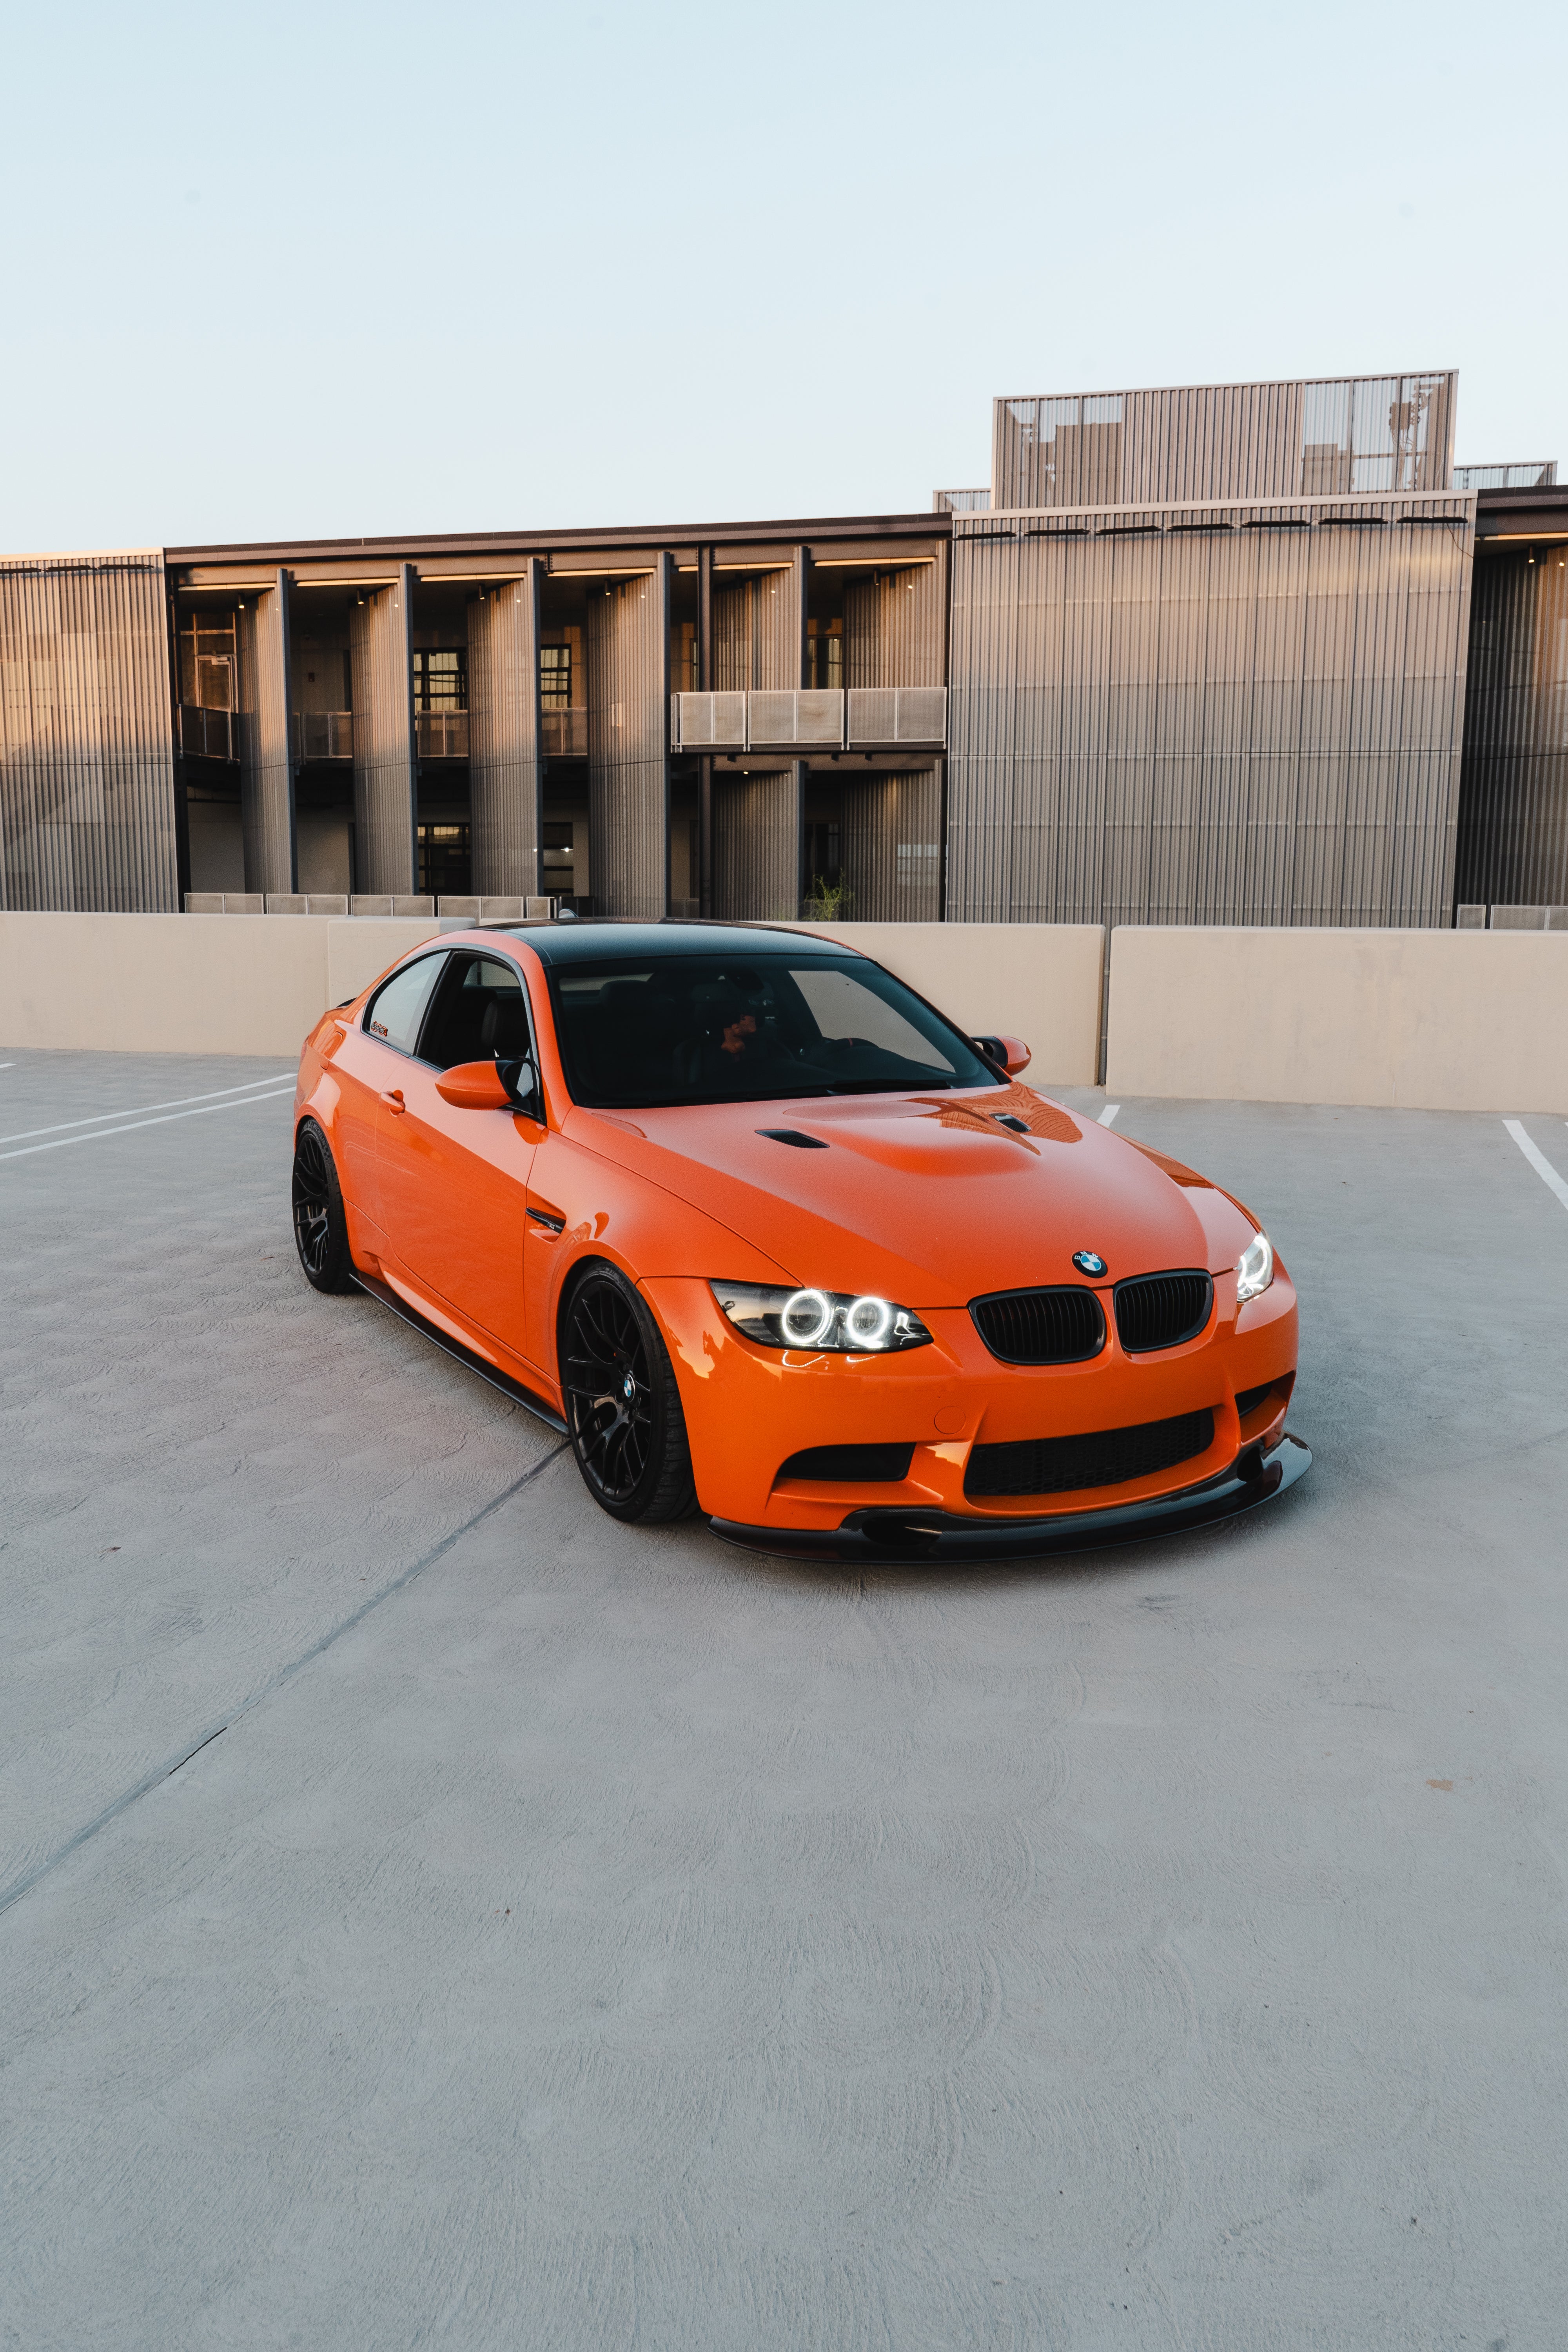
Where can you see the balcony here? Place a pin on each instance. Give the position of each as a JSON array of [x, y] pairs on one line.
[[208, 734], [811, 719], [323, 735], [896, 714], [441, 734], [563, 732]]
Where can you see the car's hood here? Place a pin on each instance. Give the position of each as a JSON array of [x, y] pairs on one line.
[[924, 1198]]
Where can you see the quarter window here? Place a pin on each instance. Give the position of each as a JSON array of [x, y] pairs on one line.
[[394, 1012]]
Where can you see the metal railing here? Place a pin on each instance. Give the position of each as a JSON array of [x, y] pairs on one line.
[[809, 718], [441, 734], [208, 734], [563, 733], [323, 734]]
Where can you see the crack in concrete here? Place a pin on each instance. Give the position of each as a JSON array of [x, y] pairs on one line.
[[167, 1769]]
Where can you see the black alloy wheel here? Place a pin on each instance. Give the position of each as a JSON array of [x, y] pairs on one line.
[[320, 1229], [623, 1407]]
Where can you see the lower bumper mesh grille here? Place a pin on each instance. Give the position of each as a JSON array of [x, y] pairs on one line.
[[1103, 1457]]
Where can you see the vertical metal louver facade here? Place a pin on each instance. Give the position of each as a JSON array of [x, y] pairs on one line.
[[505, 774], [892, 846], [1333, 437], [1248, 715], [381, 641], [87, 748], [757, 632], [895, 626], [757, 846], [1513, 805], [629, 762], [265, 764]]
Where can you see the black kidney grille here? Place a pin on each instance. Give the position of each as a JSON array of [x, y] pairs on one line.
[[1161, 1310], [1041, 1327], [1104, 1457], [846, 1466]]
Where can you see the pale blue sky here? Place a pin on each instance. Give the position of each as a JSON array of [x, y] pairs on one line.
[[309, 270]]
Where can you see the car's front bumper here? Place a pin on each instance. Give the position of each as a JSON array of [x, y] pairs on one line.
[[752, 1410], [891, 1533]]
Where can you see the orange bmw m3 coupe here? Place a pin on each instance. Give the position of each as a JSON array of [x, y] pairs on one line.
[[774, 1242]]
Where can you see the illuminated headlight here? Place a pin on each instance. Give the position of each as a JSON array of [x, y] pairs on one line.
[[835, 1319], [1253, 1268]]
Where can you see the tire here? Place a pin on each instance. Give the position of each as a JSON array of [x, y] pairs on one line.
[[623, 1408], [320, 1229]]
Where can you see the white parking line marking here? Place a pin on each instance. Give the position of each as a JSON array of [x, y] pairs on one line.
[[135, 1110], [63, 1141], [1108, 1116], [1538, 1162]]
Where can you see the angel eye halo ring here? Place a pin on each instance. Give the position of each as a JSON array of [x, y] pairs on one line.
[[807, 1318], [870, 1320], [829, 1322]]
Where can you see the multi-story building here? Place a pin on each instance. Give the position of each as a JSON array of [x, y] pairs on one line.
[[1245, 652]]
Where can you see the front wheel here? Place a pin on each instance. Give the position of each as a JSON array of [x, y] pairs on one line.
[[623, 1407], [320, 1229]]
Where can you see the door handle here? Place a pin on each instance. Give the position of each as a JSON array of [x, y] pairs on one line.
[[393, 1100]]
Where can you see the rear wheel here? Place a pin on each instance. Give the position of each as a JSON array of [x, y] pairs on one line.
[[623, 1407], [320, 1229]]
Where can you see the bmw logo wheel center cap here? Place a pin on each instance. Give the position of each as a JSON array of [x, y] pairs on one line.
[[1089, 1262]]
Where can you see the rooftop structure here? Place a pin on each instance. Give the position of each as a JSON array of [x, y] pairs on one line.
[[1329, 435], [1535, 475]]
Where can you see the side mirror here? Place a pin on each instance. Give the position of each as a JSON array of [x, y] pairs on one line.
[[491, 1086], [1009, 1054], [474, 1086]]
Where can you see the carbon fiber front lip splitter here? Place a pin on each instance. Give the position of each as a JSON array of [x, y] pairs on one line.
[[882, 1532]]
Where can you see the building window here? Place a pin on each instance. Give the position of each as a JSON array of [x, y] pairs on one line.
[[441, 679], [208, 671], [444, 861], [825, 653], [556, 676]]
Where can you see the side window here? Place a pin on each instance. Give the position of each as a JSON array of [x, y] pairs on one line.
[[395, 1011], [480, 1014]]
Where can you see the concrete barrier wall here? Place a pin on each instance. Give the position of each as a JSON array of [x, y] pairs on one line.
[[186, 983], [1041, 981], [1426, 1020], [162, 984]]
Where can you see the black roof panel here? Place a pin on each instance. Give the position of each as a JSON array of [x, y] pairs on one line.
[[592, 938]]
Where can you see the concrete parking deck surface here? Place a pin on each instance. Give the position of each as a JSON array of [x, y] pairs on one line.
[[569, 1936]]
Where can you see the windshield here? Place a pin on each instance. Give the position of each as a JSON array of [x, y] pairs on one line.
[[751, 1028]]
